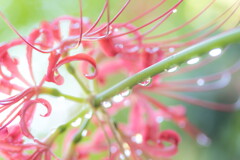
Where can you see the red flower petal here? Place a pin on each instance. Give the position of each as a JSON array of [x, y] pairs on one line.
[[26, 106], [80, 57]]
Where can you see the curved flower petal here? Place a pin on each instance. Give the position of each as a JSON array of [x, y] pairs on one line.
[[26, 106], [162, 150], [80, 57]]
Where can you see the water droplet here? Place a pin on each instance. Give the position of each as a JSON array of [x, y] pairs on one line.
[[118, 98], [113, 149], [159, 119], [139, 152], [138, 138], [126, 92], [152, 50], [121, 156], [77, 122], [203, 140], [119, 46], [133, 49], [88, 115], [126, 146], [171, 50], [174, 11], [58, 51], [91, 72], [215, 52], [200, 82], [107, 104], [127, 152], [116, 30], [84, 133], [146, 82], [172, 69], [193, 60]]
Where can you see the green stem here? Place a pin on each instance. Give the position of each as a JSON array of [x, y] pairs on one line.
[[77, 138], [197, 50], [57, 93], [71, 70]]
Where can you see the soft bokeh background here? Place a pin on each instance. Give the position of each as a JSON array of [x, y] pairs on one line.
[[222, 128]]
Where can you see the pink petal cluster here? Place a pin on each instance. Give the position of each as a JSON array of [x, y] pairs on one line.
[[108, 48]]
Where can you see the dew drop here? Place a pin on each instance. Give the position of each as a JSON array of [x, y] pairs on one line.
[[139, 152], [126, 92], [159, 119], [88, 115], [121, 156], [127, 152], [193, 60], [174, 11], [203, 140], [113, 149], [116, 30], [215, 52], [126, 146], [146, 82], [200, 82], [171, 50], [58, 51], [120, 46], [133, 49], [152, 50], [173, 69], [77, 122], [107, 104], [138, 138], [91, 72], [84, 133], [118, 98]]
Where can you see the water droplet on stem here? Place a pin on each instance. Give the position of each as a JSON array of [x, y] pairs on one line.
[[107, 104], [172, 69], [118, 98], [146, 82], [215, 52], [77, 122], [126, 92], [203, 140], [200, 82], [193, 60]]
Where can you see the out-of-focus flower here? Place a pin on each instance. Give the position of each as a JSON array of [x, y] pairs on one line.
[[109, 48]]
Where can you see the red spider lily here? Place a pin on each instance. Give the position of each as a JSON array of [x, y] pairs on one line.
[[140, 137], [130, 50], [13, 147]]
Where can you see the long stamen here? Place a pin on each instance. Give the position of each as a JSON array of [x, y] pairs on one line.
[[149, 23], [199, 102], [213, 22], [143, 14], [183, 25], [19, 35], [81, 24], [99, 18], [105, 133], [156, 26], [204, 35], [166, 42], [116, 16]]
